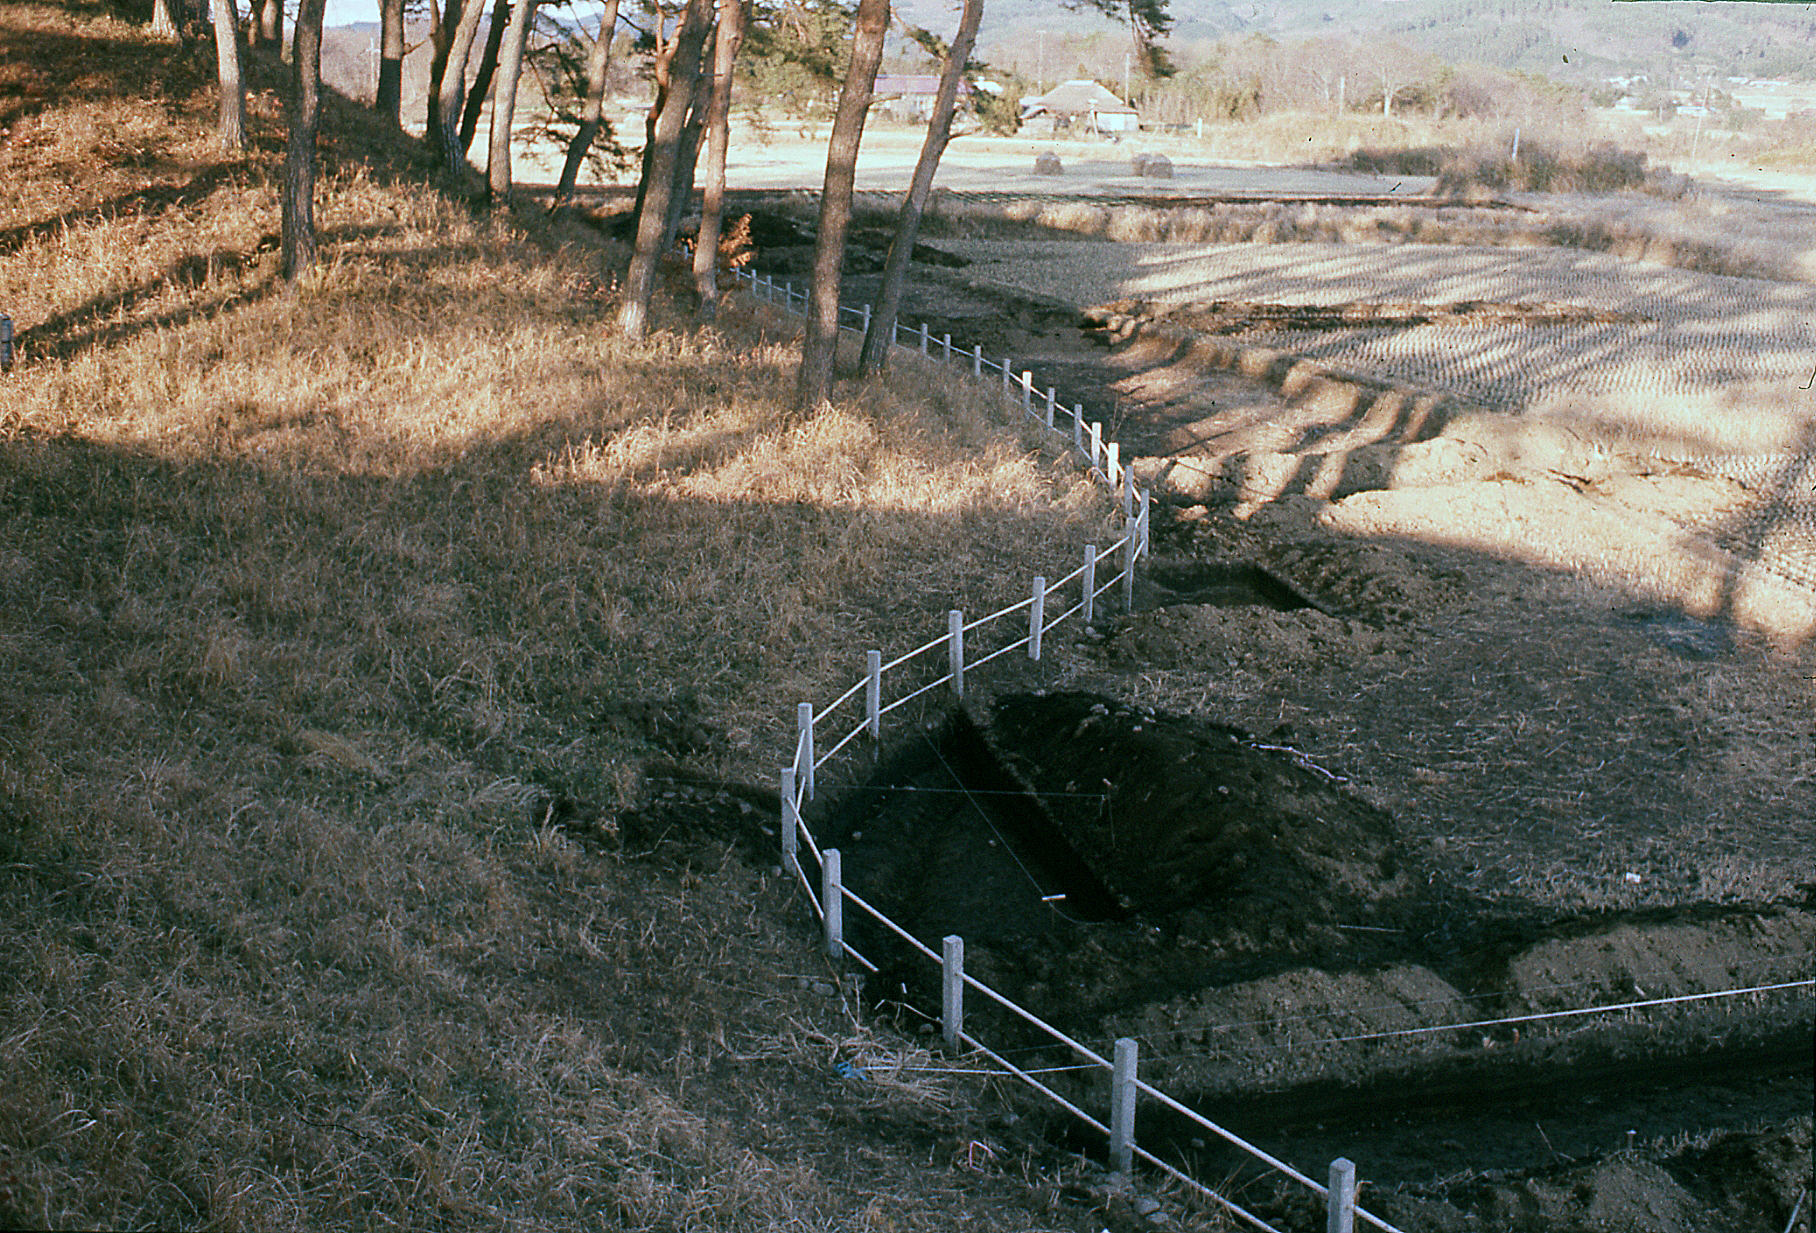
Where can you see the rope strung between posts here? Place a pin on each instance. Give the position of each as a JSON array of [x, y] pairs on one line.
[[1576, 1012], [1315, 1016], [1006, 846]]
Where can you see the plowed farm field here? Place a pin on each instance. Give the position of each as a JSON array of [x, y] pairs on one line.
[[1686, 344]]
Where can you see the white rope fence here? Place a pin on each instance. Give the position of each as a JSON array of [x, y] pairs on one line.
[[799, 778], [798, 783]]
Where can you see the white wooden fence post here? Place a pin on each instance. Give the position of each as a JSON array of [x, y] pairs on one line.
[[832, 900], [977, 360], [866, 321], [1128, 492], [1037, 616], [955, 650], [952, 989], [1145, 522], [1027, 384], [948, 346], [1112, 467], [804, 723], [1096, 443], [1131, 541], [1340, 1201], [1122, 1106], [1006, 377], [1090, 581], [1052, 401], [791, 824], [873, 693], [923, 338], [1078, 424]]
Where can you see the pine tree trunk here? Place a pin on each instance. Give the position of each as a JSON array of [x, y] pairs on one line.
[[819, 349], [165, 23], [598, 63], [299, 154], [663, 155], [482, 78], [268, 24], [504, 104], [231, 131], [445, 132], [441, 43], [388, 100], [908, 226], [688, 157], [718, 140], [662, 71]]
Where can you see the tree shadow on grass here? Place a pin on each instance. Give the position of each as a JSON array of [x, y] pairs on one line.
[[98, 323], [153, 198]]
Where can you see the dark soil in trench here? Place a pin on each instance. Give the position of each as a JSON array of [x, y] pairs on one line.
[[1124, 872]]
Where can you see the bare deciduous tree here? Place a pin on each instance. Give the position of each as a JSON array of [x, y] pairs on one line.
[[1395, 66], [660, 163], [504, 102], [908, 225], [299, 152], [718, 139], [819, 349], [598, 64], [231, 131]]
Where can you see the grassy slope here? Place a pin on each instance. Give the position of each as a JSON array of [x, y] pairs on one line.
[[311, 601]]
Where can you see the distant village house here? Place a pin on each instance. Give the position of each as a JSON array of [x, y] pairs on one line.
[[1078, 107], [909, 97]]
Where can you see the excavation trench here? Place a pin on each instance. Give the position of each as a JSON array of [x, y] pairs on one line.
[[1280, 947], [1289, 961]]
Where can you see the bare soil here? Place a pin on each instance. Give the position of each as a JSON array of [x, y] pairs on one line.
[[1476, 732]]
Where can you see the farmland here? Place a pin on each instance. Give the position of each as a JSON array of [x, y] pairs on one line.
[[1550, 635], [397, 667]]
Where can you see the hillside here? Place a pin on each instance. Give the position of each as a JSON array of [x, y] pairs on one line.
[[353, 634], [1601, 39]]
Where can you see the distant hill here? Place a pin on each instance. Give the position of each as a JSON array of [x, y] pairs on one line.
[[1570, 40], [1580, 41]]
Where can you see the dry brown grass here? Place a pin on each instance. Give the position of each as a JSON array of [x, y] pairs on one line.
[[311, 600], [1696, 235], [1573, 194]]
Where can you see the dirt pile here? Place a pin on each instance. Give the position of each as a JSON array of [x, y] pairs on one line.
[[1202, 635], [1730, 1183], [1246, 316], [1201, 818]]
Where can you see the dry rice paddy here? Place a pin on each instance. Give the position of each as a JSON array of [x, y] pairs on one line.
[[1710, 343]]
